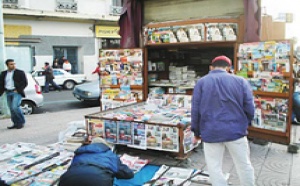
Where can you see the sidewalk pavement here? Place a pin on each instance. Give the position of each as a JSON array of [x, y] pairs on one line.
[[273, 165]]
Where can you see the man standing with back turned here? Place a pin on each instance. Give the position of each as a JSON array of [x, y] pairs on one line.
[[222, 109], [13, 82]]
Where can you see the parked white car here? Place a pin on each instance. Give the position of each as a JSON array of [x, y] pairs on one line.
[[61, 77], [34, 97]]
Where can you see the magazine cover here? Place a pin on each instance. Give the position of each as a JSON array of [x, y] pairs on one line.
[[139, 135], [154, 136], [97, 127], [124, 132], [170, 139], [271, 113], [196, 32], [110, 131], [283, 49], [270, 49], [213, 32]]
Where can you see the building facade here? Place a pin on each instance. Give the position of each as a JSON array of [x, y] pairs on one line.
[[38, 31]]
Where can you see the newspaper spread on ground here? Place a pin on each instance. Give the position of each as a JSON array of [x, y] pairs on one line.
[[167, 175], [202, 177], [133, 162]]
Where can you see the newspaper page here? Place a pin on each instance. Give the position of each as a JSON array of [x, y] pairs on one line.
[[153, 137], [139, 135], [202, 177], [110, 131], [124, 132], [188, 140], [133, 162], [170, 139], [171, 176]]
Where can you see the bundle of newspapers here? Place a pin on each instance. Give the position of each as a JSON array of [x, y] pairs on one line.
[[178, 176]]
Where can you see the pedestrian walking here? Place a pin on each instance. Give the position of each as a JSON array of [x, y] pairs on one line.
[[222, 109], [49, 78], [13, 82]]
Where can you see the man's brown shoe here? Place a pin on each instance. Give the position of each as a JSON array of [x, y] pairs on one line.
[[12, 127]]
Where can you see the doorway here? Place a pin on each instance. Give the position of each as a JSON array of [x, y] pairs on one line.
[[70, 53]]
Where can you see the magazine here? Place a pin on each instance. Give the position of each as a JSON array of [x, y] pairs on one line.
[[170, 139], [124, 132], [110, 131], [97, 126], [270, 113]]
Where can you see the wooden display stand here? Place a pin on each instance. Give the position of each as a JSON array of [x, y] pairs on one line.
[[123, 81], [175, 139], [191, 43], [274, 90]]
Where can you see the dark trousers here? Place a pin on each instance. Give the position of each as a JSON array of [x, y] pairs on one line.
[[86, 175], [47, 82]]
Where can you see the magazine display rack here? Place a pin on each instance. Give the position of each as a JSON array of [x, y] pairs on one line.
[[158, 124], [268, 68], [178, 53], [123, 81]]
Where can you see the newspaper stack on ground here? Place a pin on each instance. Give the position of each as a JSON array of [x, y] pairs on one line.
[[202, 177], [73, 137], [167, 176], [177, 176], [133, 162]]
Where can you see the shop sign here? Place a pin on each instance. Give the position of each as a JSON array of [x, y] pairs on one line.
[[107, 31]]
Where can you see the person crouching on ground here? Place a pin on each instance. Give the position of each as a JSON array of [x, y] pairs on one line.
[[95, 165]]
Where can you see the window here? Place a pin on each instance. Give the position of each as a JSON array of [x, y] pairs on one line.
[[57, 73], [117, 3], [116, 7], [110, 43], [66, 6]]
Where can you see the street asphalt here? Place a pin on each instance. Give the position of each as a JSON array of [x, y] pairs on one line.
[[273, 164]]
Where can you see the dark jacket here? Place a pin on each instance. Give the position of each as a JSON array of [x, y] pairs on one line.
[[222, 107], [20, 81], [94, 165], [48, 73]]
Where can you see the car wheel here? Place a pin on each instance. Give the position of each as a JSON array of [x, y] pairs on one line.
[[69, 85], [27, 107]]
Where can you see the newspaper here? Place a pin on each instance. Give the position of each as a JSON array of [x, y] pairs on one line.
[[139, 136], [154, 137], [171, 176], [188, 140], [202, 177], [170, 139], [124, 132], [110, 131], [133, 162]]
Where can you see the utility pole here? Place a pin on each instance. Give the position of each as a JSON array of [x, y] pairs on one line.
[[3, 102]]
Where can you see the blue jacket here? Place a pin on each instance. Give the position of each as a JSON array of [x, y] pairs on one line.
[[222, 107], [94, 165]]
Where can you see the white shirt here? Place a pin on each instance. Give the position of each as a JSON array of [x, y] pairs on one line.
[[67, 66], [9, 82]]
